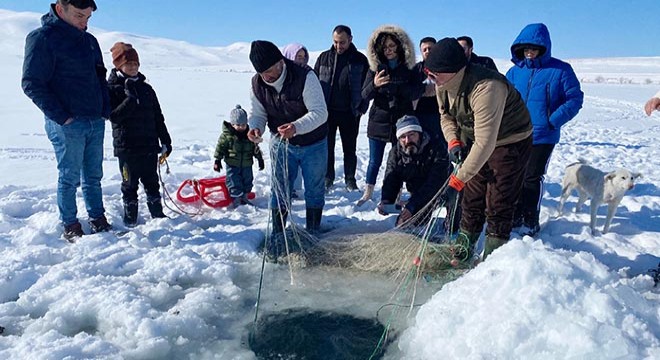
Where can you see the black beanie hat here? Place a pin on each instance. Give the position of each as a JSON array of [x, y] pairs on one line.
[[447, 56], [264, 54]]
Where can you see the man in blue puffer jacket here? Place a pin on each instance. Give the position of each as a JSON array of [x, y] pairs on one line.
[[552, 94], [64, 75]]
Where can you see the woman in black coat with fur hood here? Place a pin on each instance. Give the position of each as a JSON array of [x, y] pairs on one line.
[[393, 86]]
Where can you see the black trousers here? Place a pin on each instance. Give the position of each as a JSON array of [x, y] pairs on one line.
[[529, 203], [348, 125], [136, 168]]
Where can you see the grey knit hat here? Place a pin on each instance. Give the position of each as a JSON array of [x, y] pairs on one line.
[[406, 124], [238, 116]]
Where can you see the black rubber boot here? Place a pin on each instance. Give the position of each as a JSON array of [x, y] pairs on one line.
[[313, 220], [130, 213], [156, 209], [279, 221]]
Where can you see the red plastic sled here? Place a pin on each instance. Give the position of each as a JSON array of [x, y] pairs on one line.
[[213, 192]]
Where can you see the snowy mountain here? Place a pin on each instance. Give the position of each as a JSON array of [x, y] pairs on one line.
[[186, 287]]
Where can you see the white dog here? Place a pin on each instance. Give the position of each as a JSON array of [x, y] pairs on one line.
[[600, 187]]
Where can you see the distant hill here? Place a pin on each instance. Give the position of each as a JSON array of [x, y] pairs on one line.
[[166, 53]]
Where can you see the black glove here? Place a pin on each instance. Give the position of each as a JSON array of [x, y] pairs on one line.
[[217, 166], [262, 166], [457, 151], [129, 87], [168, 149]]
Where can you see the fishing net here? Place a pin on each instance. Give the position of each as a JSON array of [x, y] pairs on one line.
[[423, 242]]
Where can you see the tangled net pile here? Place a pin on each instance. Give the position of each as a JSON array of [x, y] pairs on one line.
[[422, 243]]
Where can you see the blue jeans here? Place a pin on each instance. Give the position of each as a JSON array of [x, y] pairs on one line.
[[79, 152], [376, 152], [239, 180], [286, 159]]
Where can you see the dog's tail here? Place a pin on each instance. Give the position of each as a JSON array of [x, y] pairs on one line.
[[580, 161]]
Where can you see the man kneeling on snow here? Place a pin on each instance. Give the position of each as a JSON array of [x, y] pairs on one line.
[[419, 163]]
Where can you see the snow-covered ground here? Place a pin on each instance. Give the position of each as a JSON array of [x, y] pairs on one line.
[[186, 287]]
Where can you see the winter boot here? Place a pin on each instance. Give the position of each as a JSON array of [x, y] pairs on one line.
[[492, 243], [463, 249], [351, 184], [328, 184], [156, 209], [313, 220], [72, 232], [529, 229], [275, 243], [368, 193], [130, 213], [100, 225]]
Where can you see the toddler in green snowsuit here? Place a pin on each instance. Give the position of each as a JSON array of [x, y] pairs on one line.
[[237, 151]]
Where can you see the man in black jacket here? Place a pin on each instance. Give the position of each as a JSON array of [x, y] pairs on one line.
[[64, 75], [468, 45], [426, 107], [418, 162], [342, 70]]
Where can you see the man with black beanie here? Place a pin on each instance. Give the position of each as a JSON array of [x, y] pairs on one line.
[[288, 98], [488, 129]]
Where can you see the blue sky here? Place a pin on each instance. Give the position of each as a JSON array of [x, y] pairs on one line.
[[578, 28]]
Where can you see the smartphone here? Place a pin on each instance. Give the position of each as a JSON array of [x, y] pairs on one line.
[[382, 67]]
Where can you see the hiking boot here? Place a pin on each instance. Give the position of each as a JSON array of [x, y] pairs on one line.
[[99, 225], [130, 213], [156, 209], [351, 185], [328, 184], [72, 232]]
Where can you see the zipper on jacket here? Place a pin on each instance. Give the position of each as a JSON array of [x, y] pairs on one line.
[[547, 105], [529, 85]]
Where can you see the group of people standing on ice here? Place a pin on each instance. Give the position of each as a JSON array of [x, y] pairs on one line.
[[451, 118], [452, 107]]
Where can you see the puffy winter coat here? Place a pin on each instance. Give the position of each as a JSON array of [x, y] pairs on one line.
[[137, 123], [393, 100], [63, 71], [548, 85], [236, 149], [423, 173]]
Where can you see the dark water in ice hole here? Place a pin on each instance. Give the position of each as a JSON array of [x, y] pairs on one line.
[[329, 313]]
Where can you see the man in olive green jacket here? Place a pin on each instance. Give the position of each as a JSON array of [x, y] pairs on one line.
[[488, 129]]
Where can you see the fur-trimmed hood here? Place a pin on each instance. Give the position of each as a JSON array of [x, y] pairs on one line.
[[399, 33]]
